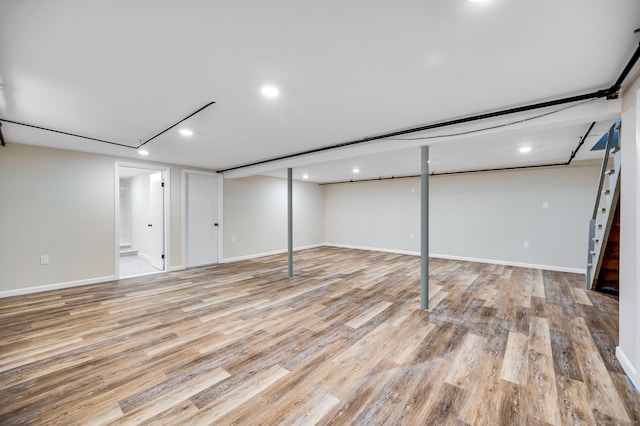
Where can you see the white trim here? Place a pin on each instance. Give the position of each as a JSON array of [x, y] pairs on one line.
[[116, 219], [508, 263], [636, 274], [166, 196], [56, 286], [166, 175], [467, 259], [348, 246], [177, 268], [269, 253], [627, 366]]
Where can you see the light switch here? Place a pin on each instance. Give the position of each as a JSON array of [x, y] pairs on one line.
[[545, 205], [44, 259]]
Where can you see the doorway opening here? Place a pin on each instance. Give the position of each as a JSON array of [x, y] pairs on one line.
[[141, 220]]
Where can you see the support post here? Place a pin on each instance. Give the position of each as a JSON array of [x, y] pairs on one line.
[[424, 228], [290, 221]]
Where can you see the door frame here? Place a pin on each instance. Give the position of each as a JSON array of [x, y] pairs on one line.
[[186, 172], [166, 177]]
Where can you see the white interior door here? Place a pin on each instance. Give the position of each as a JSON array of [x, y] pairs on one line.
[[202, 219], [156, 220]]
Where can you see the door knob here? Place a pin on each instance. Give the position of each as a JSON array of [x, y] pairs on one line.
[[150, 225], [216, 224]]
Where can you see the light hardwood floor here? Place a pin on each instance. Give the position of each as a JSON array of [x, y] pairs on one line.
[[343, 342]]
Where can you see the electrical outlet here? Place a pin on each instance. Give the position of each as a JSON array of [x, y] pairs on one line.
[[526, 244], [233, 238], [412, 236], [545, 205], [44, 259]]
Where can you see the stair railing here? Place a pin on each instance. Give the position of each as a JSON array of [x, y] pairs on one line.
[[591, 256]]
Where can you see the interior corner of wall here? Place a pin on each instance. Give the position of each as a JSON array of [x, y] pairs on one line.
[[627, 366]]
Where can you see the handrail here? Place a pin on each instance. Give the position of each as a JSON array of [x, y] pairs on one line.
[[605, 162]]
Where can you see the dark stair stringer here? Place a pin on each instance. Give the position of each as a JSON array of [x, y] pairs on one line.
[[609, 276]]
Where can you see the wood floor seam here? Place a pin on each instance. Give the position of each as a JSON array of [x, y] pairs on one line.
[[342, 342]]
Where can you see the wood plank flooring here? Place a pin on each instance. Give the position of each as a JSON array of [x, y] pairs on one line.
[[343, 342]]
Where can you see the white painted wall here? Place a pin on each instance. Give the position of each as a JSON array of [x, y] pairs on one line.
[[481, 216], [58, 203], [628, 350], [379, 215], [255, 216], [62, 203]]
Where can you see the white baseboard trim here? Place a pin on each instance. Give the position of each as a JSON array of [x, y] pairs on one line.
[[627, 366], [56, 286], [348, 246], [269, 253], [509, 263], [176, 268], [466, 259]]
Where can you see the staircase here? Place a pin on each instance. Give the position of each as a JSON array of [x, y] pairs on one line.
[[126, 250], [604, 226], [608, 277]]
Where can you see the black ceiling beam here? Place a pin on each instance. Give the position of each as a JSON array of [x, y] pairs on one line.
[[609, 93], [33, 126], [174, 125], [498, 169], [615, 88], [582, 141], [592, 95]]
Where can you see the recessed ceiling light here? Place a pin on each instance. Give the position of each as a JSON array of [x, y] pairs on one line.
[[525, 149], [186, 132], [305, 176], [356, 170], [270, 91], [143, 152]]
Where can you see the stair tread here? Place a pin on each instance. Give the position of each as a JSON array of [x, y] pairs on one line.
[[607, 280], [129, 252]]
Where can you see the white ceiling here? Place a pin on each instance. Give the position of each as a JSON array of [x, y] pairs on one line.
[[123, 70]]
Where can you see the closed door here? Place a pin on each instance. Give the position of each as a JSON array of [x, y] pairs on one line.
[[202, 219], [156, 220]]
